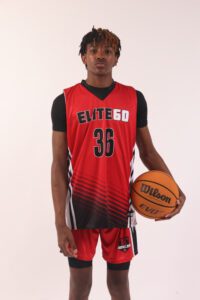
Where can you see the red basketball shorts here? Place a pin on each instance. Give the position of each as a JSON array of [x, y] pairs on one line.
[[118, 245]]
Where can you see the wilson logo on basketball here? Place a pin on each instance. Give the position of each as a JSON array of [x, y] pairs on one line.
[[147, 189]]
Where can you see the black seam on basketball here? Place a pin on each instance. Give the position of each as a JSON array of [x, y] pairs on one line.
[[157, 184], [144, 215], [152, 201]]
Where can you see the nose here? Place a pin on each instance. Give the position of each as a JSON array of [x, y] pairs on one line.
[[100, 53]]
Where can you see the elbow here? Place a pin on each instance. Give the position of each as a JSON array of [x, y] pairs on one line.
[[145, 158], [54, 177], [148, 157], [58, 174]]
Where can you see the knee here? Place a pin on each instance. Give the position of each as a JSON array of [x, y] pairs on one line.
[[80, 287], [117, 285]]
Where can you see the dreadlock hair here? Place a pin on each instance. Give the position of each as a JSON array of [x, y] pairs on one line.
[[100, 35]]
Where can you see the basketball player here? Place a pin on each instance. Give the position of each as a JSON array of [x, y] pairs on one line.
[[96, 125]]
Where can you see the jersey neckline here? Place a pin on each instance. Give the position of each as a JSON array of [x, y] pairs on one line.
[[106, 88]]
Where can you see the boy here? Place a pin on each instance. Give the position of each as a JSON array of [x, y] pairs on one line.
[[96, 125]]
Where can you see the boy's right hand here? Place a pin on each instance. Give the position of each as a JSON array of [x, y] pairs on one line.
[[66, 241]]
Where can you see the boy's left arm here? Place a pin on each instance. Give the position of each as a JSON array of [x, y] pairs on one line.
[[153, 161]]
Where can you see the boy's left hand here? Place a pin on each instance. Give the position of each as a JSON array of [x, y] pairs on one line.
[[179, 204]]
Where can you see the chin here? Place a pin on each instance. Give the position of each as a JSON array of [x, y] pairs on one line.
[[100, 72]]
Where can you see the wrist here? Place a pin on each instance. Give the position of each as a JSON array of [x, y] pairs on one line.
[[60, 224]]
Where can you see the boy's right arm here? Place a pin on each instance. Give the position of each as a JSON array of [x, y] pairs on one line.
[[59, 193]]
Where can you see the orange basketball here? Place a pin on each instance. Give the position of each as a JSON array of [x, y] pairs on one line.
[[154, 194]]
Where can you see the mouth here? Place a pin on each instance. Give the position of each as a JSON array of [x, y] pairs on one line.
[[100, 64]]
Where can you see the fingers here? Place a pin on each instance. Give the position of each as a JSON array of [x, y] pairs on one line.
[[69, 249], [66, 242], [179, 204], [175, 212]]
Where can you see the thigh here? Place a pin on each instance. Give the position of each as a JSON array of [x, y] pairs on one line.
[[86, 241], [119, 245], [80, 276], [80, 283]]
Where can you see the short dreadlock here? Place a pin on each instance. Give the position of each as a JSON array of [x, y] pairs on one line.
[[98, 35]]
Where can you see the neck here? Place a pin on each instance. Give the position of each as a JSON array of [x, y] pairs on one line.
[[99, 81]]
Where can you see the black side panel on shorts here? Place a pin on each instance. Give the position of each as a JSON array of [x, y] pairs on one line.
[[134, 236], [122, 266], [77, 263]]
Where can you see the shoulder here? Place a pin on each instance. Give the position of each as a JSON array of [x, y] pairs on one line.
[[124, 86], [59, 99], [140, 97], [141, 110], [58, 113], [131, 88], [58, 105], [71, 88]]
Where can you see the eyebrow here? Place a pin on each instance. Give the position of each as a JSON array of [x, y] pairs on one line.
[[107, 47]]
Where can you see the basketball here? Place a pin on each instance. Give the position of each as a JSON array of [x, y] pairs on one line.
[[154, 194]]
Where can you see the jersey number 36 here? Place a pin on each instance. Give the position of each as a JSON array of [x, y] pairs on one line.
[[104, 141]]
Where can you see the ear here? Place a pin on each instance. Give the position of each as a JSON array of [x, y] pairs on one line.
[[83, 57], [116, 61]]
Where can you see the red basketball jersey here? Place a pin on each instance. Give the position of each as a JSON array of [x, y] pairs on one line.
[[101, 138]]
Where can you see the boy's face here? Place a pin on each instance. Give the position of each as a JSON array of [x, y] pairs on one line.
[[99, 58]]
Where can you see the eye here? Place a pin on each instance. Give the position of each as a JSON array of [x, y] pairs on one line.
[[93, 50], [108, 51]]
